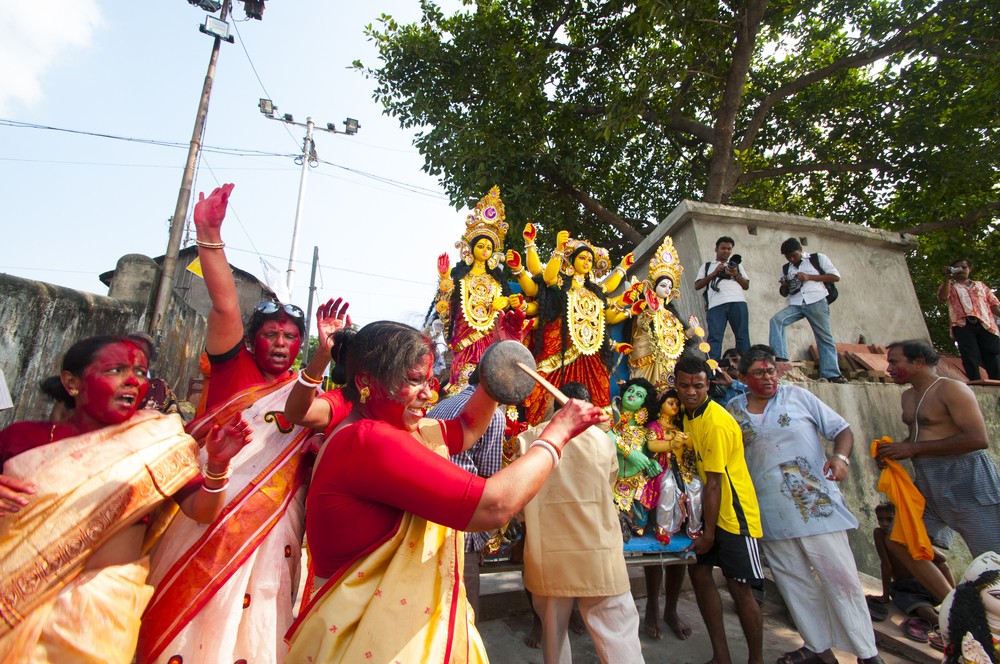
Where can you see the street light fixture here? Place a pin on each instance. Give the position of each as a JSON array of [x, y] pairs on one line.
[[217, 28], [307, 158]]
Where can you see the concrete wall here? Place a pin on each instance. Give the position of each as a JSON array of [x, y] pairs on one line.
[[874, 411], [40, 321], [876, 301]]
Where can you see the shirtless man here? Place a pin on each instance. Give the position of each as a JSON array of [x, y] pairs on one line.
[[946, 442]]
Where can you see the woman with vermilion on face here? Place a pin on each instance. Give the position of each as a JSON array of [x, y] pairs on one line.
[[224, 594], [387, 510], [75, 494]]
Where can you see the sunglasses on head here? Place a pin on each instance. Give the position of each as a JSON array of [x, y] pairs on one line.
[[268, 307]]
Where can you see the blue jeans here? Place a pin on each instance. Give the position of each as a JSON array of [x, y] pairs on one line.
[[734, 313], [818, 315]]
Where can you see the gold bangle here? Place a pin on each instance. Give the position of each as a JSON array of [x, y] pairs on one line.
[[310, 379], [224, 475], [210, 245]]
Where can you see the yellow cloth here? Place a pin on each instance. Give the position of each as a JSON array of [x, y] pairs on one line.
[[908, 526], [405, 601], [88, 489]]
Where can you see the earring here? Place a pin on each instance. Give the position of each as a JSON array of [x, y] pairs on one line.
[[73, 393], [365, 393]]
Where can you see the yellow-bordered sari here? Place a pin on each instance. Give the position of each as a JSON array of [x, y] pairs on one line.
[[88, 489], [403, 600]]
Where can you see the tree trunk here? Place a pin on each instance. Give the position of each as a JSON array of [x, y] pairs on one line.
[[723, 172]]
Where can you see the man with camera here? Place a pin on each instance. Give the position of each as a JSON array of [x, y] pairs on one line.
[[972, 306], [725, 280], [803, 283]]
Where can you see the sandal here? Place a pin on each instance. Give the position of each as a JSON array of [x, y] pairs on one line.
[[935, 640], [876, 609], [804, 656], [916, 629]]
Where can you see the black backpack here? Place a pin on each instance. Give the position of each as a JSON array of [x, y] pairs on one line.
[[831, 288]]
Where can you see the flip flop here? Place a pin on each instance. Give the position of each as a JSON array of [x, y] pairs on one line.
[[877, 610], [803, 656], [935, 640], [916, 629]]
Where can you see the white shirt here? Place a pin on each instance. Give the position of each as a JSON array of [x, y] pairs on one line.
[[729, 289], [811, 291]]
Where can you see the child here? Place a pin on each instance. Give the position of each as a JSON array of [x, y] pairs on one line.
[[899, 584]]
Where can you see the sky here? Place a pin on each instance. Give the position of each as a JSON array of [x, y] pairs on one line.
[[74, 203]]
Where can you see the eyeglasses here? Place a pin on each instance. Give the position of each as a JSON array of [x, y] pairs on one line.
[[269, 307], [760, 373]]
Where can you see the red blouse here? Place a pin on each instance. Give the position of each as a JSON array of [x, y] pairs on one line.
[[370, 473]]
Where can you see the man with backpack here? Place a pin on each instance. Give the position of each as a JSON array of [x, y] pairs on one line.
[[807, 284], [724, 281]]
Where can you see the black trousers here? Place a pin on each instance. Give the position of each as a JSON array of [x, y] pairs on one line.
[[978, 348]]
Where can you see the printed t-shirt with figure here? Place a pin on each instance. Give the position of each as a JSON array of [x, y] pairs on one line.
[[786, 459], [718, 446]]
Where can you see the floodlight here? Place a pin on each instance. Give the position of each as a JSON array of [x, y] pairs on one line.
[[217, 28], [266, 107], [351, 126]]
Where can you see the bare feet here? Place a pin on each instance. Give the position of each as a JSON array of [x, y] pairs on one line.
[[652, 622], [534, 638], [679, 626]]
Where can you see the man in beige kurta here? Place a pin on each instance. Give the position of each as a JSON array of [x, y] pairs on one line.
[[573, 551]]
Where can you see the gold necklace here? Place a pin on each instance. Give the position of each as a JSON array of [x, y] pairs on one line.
[[586, 320], [478, 291]]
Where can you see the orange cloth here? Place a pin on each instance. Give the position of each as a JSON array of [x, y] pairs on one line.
[[908, 527]]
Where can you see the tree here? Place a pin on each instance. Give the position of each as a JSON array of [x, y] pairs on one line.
[[600, 117]]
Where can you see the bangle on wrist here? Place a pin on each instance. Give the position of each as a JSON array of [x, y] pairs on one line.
[[517, 271], [216, 490], [209, 475], [529, 245], [837, 455], [302, 381], [210, 245], [309, 380], [550, 448]]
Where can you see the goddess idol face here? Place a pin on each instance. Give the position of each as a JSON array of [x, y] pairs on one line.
[[482, 250]]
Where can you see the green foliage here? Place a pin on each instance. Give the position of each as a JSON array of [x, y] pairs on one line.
[[600, 117]]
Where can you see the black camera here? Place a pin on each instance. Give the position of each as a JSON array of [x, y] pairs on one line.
[[953, 271], [734, 261]]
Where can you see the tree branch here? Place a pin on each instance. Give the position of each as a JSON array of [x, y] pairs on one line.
[[811, 168], [592, 206], [900, 42], [954, 222]]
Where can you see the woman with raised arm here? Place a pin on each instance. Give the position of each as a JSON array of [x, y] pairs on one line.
[[387, 510], [224, 593], [74, 501]]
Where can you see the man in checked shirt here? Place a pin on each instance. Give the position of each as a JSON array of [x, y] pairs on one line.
[[484, 459]]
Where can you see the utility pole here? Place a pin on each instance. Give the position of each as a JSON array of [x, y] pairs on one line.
[[309, 158], [169, 268], [309, 307]]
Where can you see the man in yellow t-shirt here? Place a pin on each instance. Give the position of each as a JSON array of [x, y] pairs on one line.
[[731, 516]]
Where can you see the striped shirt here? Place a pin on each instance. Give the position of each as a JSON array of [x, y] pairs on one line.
[[484, 458]]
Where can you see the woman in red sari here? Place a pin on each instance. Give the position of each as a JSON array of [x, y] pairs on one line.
[[72, 573], [386, 510]]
